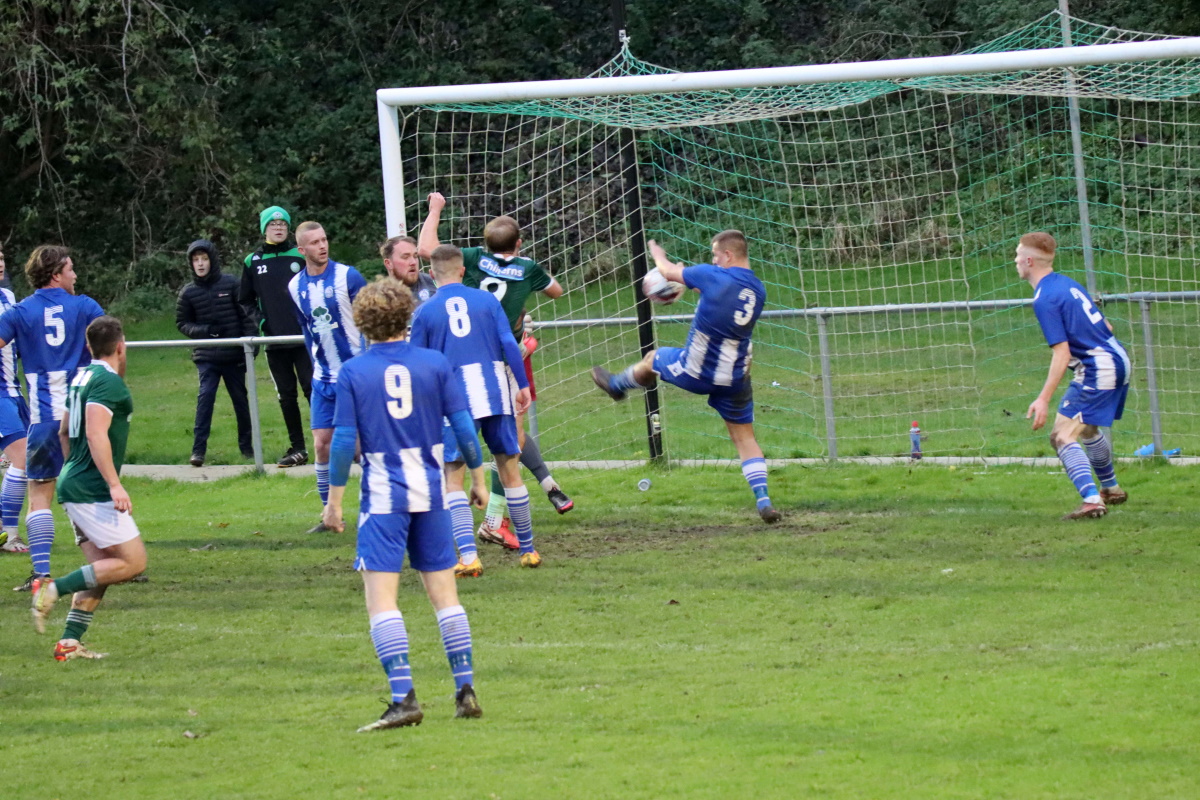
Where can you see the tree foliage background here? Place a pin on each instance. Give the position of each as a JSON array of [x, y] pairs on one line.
[[131, 127]]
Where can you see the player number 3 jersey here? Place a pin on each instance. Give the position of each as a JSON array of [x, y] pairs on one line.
[[718, 348]]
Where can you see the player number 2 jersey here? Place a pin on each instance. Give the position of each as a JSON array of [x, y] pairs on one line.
[[718, 348], [1066, 314], [396, 395]]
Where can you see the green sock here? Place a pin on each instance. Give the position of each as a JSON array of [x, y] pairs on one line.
[[77, 581], [497, 486], [497, 508], [77, 624]]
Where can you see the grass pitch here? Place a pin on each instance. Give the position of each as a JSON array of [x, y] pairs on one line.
[[903, 633]]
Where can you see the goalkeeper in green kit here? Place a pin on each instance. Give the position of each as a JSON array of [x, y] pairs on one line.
[[498, 267]]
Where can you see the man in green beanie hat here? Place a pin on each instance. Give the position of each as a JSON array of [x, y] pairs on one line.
[[264, 293]]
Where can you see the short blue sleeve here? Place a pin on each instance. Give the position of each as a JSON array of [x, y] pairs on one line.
[[345, 415], [1048, 316], [700, 276], [354, 282], [94, 309], [8, 325]]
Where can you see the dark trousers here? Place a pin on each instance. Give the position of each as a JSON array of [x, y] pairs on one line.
[[234, 375], [289, 366]]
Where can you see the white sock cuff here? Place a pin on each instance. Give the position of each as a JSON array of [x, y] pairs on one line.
[[548, 484], [14, 472], [1099, 438], [40, 512], [517, 494], [385, 616], [450, 611], [452, 496], [318, 465]]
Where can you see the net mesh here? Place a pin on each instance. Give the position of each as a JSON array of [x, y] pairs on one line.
[[857, 198]]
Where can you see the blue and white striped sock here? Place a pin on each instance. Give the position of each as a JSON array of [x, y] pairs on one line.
[[323, 482], [755, 472], [1099, 453], [623, 381], [12, 499], [522, 520], [456, 636], [391, 645], [39, 527], [1079, 470], [463, 526]]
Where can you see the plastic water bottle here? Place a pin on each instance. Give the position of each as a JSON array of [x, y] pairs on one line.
[[644, 484], [914, 435]]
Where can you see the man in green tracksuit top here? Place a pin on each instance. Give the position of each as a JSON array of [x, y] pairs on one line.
[[498, 267], [94, 433], [264, 294]]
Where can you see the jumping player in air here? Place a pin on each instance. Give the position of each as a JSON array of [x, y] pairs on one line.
[[469, 327], [392, 399], [498, 267], [322, 293], [94, 433], [49, 328], [1081, 339], [715, 360], [14, 427]]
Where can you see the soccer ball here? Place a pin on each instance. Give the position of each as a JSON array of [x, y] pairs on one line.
[[660, 290]]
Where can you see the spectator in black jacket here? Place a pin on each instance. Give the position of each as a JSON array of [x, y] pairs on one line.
[[208, 308]]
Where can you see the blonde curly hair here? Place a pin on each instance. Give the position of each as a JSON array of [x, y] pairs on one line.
[[382, 309]]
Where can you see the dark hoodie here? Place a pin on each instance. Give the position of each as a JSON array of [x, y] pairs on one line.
[[208, 309]]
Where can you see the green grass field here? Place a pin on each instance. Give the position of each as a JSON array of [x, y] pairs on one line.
[[904, 632]]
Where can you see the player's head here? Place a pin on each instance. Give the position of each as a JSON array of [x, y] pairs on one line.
[[400, 259], [382, 309], [2, 265], [312, 243], [49, 266], [1035, 255], [502, 235], [446, 261], [729, 249], [274, 223], [106, 340]]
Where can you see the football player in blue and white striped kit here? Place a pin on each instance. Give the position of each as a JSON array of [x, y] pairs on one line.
[[1081, 339], [14, 425], [470, 328], [715, 360], [49, 328], [323, 293], [392, 400]]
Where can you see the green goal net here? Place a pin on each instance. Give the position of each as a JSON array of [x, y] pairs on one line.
[[882, 217]]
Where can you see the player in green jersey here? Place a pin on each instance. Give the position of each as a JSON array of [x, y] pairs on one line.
[[94, 432], [499, 268]]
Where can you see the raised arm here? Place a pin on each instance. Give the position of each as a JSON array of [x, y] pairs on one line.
[[428, 241], [669, 269]]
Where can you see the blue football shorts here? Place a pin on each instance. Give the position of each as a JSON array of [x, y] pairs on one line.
[[499, 434], [383, 540], [322, 404], [43, 454], [734, 403], [14, 420], [1098, 407]]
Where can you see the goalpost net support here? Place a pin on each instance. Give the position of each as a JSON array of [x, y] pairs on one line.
[[882, 202]]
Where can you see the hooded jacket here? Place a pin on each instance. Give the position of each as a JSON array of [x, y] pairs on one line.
[[207, 308]]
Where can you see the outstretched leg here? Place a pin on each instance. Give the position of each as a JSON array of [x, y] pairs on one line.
[[637, 376]]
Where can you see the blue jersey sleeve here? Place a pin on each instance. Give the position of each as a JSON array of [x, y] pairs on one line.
[[93, 310], [512, 352], [354, 282], [1050, 318], [418, 335], [700, 276], [8, 325], [345, 415]]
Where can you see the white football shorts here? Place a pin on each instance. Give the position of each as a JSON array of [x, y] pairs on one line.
[[101, 524]]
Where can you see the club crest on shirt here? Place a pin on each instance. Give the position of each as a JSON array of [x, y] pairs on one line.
[[295, 267], [508, 272], [423, 295], [322, 321], [328, 292]]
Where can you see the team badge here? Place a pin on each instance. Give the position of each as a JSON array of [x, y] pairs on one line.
[[322, 321], [328, 292], [295, 267], [423, 294]]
